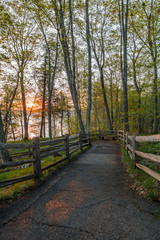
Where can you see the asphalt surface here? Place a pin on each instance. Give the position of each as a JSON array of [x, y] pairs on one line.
[[87, 199]]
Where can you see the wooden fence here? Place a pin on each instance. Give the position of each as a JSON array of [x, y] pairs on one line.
[[39, 150], [131, 145], [102, 134]]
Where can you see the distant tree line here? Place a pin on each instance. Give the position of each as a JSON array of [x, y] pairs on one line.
[[99, 59]]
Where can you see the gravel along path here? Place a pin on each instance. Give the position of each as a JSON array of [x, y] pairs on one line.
[[87, 199]]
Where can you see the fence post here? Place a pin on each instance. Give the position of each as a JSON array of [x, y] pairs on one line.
[[89, 139], [80, 141], [36, 156], [124, 140], [29, 152], [134, 147], [66, 142], [99, 133]]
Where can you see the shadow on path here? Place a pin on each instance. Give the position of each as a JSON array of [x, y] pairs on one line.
[[88, 199]]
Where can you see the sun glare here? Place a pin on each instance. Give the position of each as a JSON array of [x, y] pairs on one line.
[[32, 135], [32, 105]]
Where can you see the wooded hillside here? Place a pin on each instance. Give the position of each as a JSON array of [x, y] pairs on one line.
[[78, 66]]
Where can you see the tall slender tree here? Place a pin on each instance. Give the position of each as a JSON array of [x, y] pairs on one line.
[[20, 45], [42, 129], [123, 19], [51, 71], [152, 28], [99, 53], [68, 46], [4, 152], [88, 37]]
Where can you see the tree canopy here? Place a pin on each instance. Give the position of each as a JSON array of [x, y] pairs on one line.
[[88, 65]]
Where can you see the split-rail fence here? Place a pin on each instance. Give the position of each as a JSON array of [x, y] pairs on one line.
[[130, 142], [65, 146], [38, 150]]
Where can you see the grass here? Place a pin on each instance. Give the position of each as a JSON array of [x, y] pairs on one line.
[[141, 181], [153, 148], [9, 193]]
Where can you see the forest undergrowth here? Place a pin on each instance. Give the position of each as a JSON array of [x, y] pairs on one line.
[[145, 185]]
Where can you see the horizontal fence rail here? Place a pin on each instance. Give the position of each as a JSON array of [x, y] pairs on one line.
[[130, 142], [37, 151], [33, 154], [102, 134]]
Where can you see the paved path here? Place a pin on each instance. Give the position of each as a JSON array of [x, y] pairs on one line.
[[88, 199]]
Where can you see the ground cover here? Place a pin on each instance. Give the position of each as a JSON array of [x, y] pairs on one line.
[[9, 193], [144, 184]]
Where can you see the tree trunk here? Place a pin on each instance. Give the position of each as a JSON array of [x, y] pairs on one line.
[[68, 121], [54, 125], [69, 58], [153, 50], [21, 120], [89, 71], [42, 130], [125, 71], [24, 104], [123, 18], [49, 117], [105, 99], [10, 106], [100, 59], [111, 92], [117, 111], [13, 133], [51, 76], [49, 97], [4, 153], [139, 96], [73, 78], [100, 67], [62, 123], [155, 124]]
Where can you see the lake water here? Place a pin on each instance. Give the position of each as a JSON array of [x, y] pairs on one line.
[[34, 126]]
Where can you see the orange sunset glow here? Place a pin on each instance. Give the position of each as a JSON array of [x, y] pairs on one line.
[[33, 105]]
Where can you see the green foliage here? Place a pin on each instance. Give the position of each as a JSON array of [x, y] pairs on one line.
[[141, 181], [5, 18], [150, 147], [23, 41]]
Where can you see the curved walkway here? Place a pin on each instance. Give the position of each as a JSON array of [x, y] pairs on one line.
[[88, 199]]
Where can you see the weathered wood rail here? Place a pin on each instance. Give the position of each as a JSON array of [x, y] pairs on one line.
[[39, 150], [102, 134], [131, 145]]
